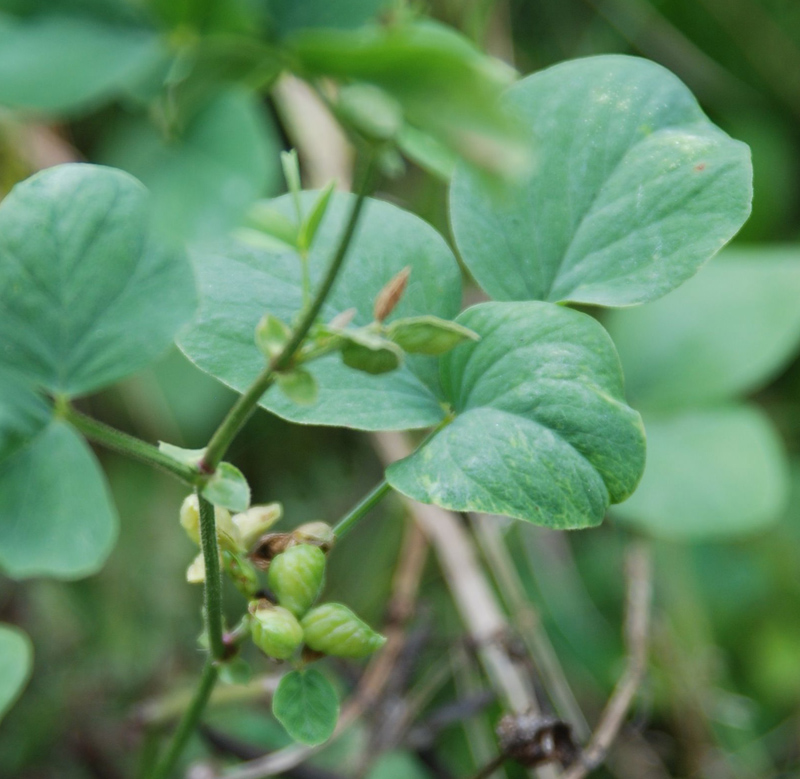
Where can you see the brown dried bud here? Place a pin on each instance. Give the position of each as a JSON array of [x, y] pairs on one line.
[[269, 546], [390, 295], [535, 740]]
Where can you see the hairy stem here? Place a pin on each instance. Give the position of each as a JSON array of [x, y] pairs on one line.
[[189, 721], [247, 402], [350, 520], [125, 444], [212, 590]]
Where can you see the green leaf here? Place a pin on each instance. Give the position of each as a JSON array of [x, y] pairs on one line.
[[240, 283], [58, 64], [541, 432], [203, 180], [431, 155], [23, 414], [368, 352], [710, 473], [56, 515], [289, 15], [445, 85], [306, 704], [370, 110], [428, 334], [299, 386], [725, 333], [228, 488], [305, 236], [269, 224], [272, 335], [632, 191], [87, 295], [16, 660]]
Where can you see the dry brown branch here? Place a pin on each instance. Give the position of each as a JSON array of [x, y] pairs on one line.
[[528, 623], [472, 593], [637, 628]]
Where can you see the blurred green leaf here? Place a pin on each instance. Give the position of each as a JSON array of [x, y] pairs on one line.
[[290, 16], [16, 659], [58, 64], [87, 295], [205, 177], [445, 85], [725, 333], [431, 155], [710, 473], [369, 352], [398, 765], [311, 222], [240, 283], [633, 189], [299, 386], [542, 432], [23, 414], [56, 515], [306, 704]]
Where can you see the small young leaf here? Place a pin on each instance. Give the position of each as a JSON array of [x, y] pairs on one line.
[[428, 334], [263, 219], [291, 172], [236, 671], [184, 456], [369, 352], [299, 386], [272, 335], [308, 229], [228, 488], [371, 111], [306, 704], [16, 658]]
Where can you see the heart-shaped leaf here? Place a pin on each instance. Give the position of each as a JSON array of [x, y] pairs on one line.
[[724, 333], [711, 472], [56, 515], [306, 704], [16, 659], [541, 431], [59, 63], [87, 296], [633, 189], [240, 283]]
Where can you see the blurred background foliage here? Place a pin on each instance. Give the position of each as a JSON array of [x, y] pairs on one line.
[[183, 94]]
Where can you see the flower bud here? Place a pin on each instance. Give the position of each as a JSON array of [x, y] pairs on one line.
[[275, 631], [196, 572], [254, 522], [227, 533], [334, 630], [315, 533], [296, 576]]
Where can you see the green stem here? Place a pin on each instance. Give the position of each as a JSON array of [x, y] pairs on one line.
[[125, 444], [247, 402], [212, 589], [189, 721], [349, 521]]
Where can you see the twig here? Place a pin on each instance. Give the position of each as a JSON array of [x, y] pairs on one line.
[[472, 593], [637, 628], [528, 623]]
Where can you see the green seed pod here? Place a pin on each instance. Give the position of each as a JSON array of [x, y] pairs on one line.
[[334, 630], [296, 576], [315, 533], [275, 631]]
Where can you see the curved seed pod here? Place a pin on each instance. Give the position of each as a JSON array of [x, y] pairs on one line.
[[275, 631], [315, 533], [296, 576], [334, 630]]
